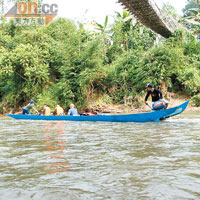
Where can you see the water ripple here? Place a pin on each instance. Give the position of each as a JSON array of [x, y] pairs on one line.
[[86, 160]]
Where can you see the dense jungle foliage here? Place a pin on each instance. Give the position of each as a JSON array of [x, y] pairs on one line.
[[63, 63]]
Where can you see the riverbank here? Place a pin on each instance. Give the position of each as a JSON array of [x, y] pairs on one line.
[[71, 66], [100, 106], [127, 109]]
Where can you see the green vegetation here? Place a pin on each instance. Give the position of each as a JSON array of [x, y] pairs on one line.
[[63, 63]]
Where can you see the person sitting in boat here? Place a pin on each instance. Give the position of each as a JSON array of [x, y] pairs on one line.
[[46, 110], [26, 109], [72, 111], [58, 111], [157, 101]]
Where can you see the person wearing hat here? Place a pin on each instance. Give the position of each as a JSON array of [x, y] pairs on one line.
[[26, 109], [157, 96]]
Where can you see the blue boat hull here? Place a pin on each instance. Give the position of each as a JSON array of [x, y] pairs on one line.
[[140, 117]]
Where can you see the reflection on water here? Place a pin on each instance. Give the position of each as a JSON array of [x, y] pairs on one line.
[[55, 145], [86, 160]]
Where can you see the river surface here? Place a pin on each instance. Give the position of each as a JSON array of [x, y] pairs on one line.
[[43, 160]]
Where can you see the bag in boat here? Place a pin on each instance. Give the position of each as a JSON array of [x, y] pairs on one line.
[[158, 105]]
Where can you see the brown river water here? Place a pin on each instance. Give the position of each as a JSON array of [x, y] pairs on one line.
[[41, 160]]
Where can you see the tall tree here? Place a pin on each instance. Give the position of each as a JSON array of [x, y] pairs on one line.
[[2, 10], [191, 4], [192, 15]]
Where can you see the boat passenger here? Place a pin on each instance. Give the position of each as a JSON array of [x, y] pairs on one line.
[[88, 113], [157, 99], [46, 110], [72, 111], [58, 111], [26, 109]]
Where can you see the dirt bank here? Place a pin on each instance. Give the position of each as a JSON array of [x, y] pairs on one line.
[[122, 108]]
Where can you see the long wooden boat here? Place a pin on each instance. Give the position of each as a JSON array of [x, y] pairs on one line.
[[139, 117]]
